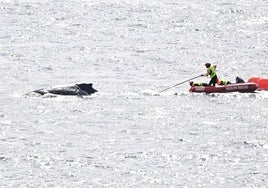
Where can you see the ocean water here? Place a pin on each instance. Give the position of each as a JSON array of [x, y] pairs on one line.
[[129, 134]]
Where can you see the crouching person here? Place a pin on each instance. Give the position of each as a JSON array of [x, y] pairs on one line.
[[223, 82], [198, 84]]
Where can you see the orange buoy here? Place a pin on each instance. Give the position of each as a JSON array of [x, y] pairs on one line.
[[263, 83], [254, 79]]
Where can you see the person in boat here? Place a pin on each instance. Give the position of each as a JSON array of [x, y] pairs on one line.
[[192, 84], [223, 82], [212, 73]]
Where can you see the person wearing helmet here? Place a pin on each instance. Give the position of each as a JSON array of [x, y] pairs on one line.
[[212, 73]]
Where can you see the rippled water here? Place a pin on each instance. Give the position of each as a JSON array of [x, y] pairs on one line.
[[129, 134]]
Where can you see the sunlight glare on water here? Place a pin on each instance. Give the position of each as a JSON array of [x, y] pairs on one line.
[[130, 134]]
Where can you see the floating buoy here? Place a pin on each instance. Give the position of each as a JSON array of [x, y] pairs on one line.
[[263, 83], [254, 79], [260, 81]]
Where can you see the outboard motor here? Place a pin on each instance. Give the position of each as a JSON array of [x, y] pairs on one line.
[[239, 80]]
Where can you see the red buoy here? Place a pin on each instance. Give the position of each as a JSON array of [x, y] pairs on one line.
[[263, 83], [254, 79]]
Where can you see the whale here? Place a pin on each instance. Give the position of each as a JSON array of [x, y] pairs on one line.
[[82, 89]]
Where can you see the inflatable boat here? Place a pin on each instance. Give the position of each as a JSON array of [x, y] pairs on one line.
[[238, 87]]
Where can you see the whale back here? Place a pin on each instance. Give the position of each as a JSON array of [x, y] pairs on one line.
[[87, 88], [77, 89], [70, 90]]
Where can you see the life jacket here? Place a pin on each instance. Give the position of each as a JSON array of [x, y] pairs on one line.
[[212, 72], [222, 82], [199, 84]]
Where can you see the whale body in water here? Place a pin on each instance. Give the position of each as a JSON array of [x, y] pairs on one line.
[[77, 89]]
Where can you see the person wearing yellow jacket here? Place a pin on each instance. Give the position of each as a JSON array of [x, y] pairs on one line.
[[223, 82], [198, 84], [212, 73]]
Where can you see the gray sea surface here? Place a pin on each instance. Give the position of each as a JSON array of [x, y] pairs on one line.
[[129, 134]]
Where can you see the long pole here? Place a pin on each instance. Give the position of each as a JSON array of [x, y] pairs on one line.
[[180, 83]]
